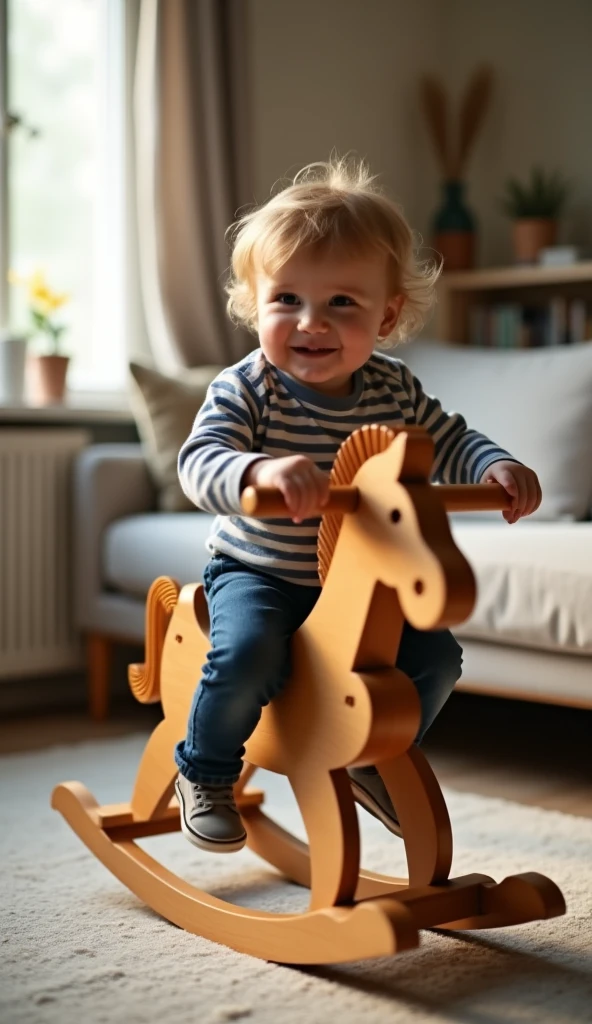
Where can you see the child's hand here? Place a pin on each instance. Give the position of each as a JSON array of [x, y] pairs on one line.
[[520, 482], [304, 487]]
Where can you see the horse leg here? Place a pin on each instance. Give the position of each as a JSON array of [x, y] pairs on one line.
[[327, 806], [153, 788], [423, 815], [248, 770]]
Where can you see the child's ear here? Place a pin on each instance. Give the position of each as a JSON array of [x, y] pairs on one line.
[[391, 315]]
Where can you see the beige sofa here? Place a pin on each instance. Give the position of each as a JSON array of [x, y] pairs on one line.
[[530, 635]]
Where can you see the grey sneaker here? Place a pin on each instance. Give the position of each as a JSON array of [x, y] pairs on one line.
[[209, 817], [370, 792]]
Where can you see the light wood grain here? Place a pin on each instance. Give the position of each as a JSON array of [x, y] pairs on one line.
[[345, 704], [515, 277]]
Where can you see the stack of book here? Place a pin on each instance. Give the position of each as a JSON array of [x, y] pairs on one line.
[[558, 321]]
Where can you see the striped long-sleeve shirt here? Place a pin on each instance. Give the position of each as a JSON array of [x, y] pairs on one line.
[[252, 409]]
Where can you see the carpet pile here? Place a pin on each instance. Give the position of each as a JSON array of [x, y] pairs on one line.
[[78, 947]]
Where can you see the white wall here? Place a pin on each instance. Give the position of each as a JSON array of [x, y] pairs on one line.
[[344, 74]]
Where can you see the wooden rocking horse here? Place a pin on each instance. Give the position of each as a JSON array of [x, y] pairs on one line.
[[385, 554]]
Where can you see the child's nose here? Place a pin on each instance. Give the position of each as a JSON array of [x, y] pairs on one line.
[[313, 322]]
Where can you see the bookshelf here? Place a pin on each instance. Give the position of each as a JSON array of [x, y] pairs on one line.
[[515, 307]]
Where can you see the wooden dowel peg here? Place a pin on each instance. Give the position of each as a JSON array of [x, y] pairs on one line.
[[473, 497], [268, 502], [265, 502]]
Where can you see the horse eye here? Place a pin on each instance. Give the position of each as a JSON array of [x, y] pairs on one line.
[[395, 515]]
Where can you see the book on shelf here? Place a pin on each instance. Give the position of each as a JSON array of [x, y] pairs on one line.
[[557, 321]]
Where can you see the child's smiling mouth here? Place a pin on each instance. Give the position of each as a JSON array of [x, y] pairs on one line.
[[313, 352]]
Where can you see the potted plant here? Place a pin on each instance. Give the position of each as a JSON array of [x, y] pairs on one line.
[[48, 371], [534, 208]]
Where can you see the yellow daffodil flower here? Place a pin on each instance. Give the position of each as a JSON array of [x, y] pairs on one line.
[[41, 297], [43, 302]]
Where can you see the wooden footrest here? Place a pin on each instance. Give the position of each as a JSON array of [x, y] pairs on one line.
[[118, 821]]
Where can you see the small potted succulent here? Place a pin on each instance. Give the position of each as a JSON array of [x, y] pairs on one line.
[[48, 370], [534, 207]]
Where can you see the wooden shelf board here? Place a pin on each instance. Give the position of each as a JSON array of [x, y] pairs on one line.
[[515, 277]]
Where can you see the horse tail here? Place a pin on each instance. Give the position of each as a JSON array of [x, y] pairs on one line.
[[144, 679]]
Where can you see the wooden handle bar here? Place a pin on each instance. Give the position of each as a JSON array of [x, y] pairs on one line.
[[266, 502]]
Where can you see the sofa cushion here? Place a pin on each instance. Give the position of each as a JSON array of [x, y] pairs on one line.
[[534, 583], [164, 408], [533, 579], [535, 403], [137, 549]]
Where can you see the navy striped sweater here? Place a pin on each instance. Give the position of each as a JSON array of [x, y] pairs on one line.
[[253, 409]]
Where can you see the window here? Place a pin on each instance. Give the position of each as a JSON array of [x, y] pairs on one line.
[[66, 173]]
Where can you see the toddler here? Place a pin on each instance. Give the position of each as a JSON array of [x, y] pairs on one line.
[[322, 272]]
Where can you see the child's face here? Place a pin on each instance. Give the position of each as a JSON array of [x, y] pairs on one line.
[[319, 318]]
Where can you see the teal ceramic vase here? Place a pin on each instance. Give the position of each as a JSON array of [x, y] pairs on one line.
[[454, 228]]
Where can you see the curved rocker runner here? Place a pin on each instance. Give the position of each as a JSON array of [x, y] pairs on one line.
[[386, 554]]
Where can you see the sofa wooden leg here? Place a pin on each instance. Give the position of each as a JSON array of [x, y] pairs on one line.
[[99, 655]]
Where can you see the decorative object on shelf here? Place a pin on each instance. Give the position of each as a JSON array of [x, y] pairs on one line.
[[47, 371], [557, 320], [454, 227], [534, 208], [563, 255], [13, 353]]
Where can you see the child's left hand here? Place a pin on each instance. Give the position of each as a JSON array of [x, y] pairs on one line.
[[520, 482]]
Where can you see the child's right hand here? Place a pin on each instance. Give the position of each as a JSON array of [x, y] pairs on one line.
[[304, 487]]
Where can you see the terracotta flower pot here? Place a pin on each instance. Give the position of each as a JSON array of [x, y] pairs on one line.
[[457, 249], [47, 379], [454, 228], [530, 235]]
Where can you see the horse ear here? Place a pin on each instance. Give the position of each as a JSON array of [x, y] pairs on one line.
[[411, 455]]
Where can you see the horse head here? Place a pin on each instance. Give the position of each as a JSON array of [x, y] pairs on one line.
[[402, 529]]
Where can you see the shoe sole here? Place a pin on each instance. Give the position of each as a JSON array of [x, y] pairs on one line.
[[362, 797], [202, 843]]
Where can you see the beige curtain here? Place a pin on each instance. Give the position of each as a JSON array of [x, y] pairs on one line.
[[192, 172]]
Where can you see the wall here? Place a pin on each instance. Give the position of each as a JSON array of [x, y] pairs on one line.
[[541, 53], [344, 74]]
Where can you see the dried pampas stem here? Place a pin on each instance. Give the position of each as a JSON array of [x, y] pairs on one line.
[[474, 105], [435, 104], [475, 101]]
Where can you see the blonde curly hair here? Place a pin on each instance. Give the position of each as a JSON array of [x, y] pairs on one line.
[[327, 204]]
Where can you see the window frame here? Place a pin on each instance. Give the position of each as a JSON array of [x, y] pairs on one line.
[[109, 242]]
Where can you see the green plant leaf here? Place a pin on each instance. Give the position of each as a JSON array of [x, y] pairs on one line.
[[542, 195]]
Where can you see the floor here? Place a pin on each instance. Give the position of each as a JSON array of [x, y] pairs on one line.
[[530, 753]]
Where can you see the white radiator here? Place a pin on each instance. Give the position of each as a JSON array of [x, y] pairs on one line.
[[36, 632]]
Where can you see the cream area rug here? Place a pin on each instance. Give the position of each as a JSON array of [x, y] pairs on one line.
[[79, 947]]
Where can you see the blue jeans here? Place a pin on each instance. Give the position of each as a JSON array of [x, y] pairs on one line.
[[253, 617]]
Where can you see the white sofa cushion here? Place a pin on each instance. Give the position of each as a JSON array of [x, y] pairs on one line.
[[534, 583], [535, 403], [504, 670], [533, 579]]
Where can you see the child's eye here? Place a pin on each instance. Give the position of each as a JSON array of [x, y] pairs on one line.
[[342, 300], [286, 298]]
